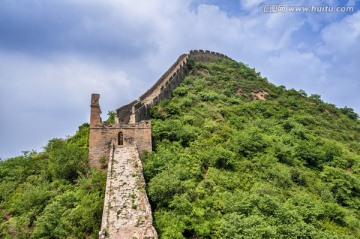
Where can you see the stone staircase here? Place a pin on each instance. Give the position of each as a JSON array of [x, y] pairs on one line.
[[127, 212]]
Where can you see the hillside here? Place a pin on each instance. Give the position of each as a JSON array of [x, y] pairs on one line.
[[233, 157], [227, 164], [52, 194]]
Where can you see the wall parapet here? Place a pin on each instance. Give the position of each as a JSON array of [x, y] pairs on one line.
[[164, 86], [208, 55], [180, 62]]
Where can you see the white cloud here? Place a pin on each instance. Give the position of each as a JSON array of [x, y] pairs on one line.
[[343, 37], [298, 70], [341, 48], [42, 98], [45, 81]]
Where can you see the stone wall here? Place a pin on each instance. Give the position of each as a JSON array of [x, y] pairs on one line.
[[133, 119], [140, 109], [102, 134], [178, 65], [124, 113], [201, 55], [163, 88]]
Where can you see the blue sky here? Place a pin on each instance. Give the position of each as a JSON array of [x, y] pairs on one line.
[[54, 54]]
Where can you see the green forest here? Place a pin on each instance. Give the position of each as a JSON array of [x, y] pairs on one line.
[[224, 165], [228, 166], [52, 194]]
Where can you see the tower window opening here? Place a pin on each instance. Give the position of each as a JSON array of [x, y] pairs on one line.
[[120, 138]]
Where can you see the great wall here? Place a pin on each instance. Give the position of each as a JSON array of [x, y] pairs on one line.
[[116, 147]]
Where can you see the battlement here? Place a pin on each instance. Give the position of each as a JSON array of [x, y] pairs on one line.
[[179, 64], [162, 89], [205, 55]]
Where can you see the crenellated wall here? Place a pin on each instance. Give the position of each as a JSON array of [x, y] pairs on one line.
[[162, 89], [180, 64], [133, 119], [201, 55]]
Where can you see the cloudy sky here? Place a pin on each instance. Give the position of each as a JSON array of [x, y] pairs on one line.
[[55, 53]]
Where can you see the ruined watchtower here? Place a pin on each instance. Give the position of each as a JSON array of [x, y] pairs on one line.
[[102, 134]]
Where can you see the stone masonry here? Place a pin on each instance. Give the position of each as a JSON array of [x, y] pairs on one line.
[[162, 89], [103, 133], [133, 120], [127, 212]]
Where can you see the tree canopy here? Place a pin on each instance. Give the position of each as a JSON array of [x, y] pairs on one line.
[[228, 165]]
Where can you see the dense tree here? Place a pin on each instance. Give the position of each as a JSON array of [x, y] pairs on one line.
[[52, 194], [226, 165]]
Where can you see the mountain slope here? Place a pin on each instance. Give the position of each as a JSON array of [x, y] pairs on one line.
[[52, 194], [227, 164]]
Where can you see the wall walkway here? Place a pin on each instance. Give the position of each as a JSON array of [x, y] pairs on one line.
[[127, 212]]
